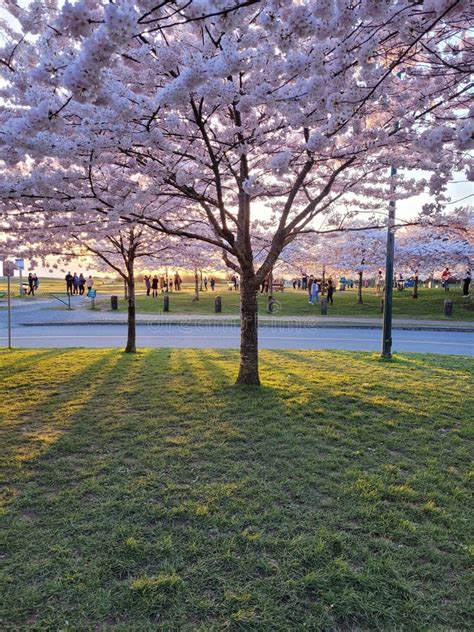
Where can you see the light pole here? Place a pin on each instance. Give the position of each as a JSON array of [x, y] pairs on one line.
[[388, 294]]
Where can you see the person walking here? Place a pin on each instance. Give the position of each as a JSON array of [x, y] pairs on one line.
[[213, 283], [31, 284], [177, 282], [445, 279], [35, 281], [205, 283], [466, 282], [81, 282], [68, 279], [154, 287], [330, 291], [89, 284]]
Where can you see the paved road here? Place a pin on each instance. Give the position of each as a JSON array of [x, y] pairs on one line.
[[227, 336]]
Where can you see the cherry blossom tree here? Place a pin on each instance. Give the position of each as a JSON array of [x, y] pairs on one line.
[[220, 109], [358, 252], [425, 249]]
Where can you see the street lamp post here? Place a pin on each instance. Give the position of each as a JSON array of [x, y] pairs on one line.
[[388, 294]]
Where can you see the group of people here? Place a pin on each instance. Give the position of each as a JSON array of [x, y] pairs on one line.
[[211, 282], [466, 280], [33, 284], [162, 283], [77, 283], [234, 282], [316, 286]]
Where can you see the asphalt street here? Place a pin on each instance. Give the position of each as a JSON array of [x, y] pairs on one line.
[[227, 336]]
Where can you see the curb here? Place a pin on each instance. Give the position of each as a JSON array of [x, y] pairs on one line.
[[266, 323]]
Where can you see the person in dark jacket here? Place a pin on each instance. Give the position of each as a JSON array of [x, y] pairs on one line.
[[466, 282], [81, 283], [69, 283], [31, 284], [154, 287], [330, 291]]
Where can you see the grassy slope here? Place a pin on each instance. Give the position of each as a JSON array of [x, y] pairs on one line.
[[146, 491]]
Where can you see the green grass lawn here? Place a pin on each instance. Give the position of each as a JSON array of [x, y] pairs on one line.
[[145, 492], [295, 303], [290, 303]]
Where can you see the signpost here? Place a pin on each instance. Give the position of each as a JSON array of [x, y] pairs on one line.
[[8, 271], [20, 265]]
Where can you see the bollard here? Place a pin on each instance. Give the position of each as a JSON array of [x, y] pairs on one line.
[[381, 306], [114, 302], [270, 304], [448, 307], [166, 303], [324, 306], [218, 305]]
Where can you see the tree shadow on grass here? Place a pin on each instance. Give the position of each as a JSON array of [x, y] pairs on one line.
[[175, 499]]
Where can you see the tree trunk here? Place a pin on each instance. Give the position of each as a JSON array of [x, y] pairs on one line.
[[200, 281], [415, 287], [196, 286], [359, 289], [248, 372], [131, 324], [125, 289], [323, 282]]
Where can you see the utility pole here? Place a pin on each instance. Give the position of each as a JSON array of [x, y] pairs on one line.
[[388, 295]]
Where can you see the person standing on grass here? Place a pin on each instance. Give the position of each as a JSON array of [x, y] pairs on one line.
[[205, 283], [75, 283], [68, 278], [445, 279], [177, 282], [81, 282], [314, 292], [35, 281], [146, 278], [89, 284], [154, 287], [330, 291], [213, 283], [466, 282], [309, 285]]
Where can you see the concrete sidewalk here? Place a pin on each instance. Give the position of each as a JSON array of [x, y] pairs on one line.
[[301, 322]]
